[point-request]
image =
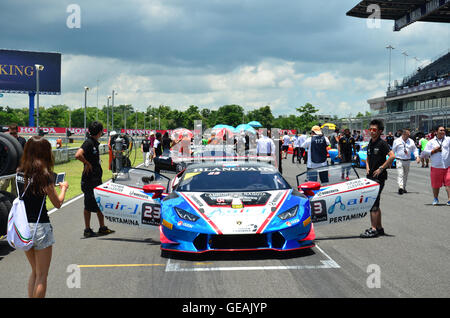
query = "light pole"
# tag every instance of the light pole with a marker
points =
(39, 68)
(85, 103)
(112, 109)
(107, 115)
(97, 100)
(390, 48)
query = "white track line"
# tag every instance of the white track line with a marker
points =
(325, 264)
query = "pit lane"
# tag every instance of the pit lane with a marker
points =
(413, 258)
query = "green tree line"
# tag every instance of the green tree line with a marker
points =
(162, 116)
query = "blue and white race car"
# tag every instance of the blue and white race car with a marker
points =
(230, 206)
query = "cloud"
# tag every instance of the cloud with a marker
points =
(213, 52)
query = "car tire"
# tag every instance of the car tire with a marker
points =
(8, 195)
(4, 212)
(16, 144)
(8, 156)
(180, 167)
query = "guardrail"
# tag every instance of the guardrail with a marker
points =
(66, 154)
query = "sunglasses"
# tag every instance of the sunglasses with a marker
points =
(373, 129)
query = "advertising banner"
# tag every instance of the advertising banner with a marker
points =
(18, 72)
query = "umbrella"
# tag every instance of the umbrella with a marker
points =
(245, 127)
(220, 126)
(255, 124)
(221, 131)
(330, 126)
(180, 132)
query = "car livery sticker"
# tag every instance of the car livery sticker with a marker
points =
(249, 219)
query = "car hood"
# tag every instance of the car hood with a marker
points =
(239, 213)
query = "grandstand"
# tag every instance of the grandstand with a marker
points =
(404, 12)
(436, 71)
(422, 100)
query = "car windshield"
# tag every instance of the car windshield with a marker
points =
(232, 177)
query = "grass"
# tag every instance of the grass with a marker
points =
(74, 170)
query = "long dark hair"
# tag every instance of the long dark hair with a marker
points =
(37, 164)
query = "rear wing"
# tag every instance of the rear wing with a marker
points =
(218, 153)
(329, 175)
(138, 178)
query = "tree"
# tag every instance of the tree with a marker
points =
(263, 115)
(307, 118)
(230, 115)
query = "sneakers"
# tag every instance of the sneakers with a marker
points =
(370, 233)
(105, 231)
(401, 191)
(101, 231)
(435, 201)
(89, 233)
(448, 203)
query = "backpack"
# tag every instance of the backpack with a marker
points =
(19, 234)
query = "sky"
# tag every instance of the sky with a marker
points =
(210, 53)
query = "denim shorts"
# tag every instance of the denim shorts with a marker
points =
(44, 235)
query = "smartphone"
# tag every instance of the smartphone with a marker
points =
(60, 178)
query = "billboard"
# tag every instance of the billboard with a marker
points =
(18, 73)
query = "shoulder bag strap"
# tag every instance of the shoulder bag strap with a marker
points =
(25, 190)
(39, 217)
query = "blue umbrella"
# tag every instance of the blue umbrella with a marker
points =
(220, 126)
(245, 127)
(255, 124)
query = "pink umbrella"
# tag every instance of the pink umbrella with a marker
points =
(179, 133)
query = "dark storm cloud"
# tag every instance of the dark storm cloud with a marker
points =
(216, 34)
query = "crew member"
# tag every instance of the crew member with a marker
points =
(316, 146)
(346, 149)
(403, 147)
(89, 155)
(376, 165)
(438, 149)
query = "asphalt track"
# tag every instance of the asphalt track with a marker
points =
(410, 261)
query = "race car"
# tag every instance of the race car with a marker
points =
(232, 206)
(361, 157)
(226, 206)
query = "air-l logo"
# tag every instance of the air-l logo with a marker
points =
(122, 207)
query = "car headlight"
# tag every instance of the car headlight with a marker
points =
(288, 213)
(186, 215)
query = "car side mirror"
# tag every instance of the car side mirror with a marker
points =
(308, 188)
(156, 189)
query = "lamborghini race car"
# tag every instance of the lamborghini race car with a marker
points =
(234, 205)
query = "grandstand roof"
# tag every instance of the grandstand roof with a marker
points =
(405, 12)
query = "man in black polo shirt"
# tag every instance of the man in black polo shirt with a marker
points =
(347, 148)
(376, 165)
(89, 155)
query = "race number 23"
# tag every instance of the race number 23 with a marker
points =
(151, 214)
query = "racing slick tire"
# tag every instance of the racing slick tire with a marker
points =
(5, 207)
(17, 146)
(8, 156)
(180, 167)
